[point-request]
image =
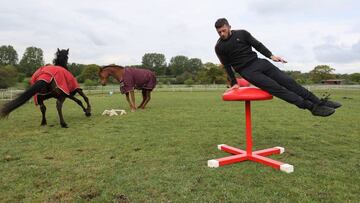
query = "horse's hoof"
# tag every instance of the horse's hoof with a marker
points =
(88, 114)
(64, 125)
(43, 124)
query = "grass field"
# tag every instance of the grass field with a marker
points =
(160, 154)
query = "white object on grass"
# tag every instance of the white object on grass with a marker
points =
(114, 112)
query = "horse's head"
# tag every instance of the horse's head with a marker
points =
(110, 70)
(103, 75)
(61, 58)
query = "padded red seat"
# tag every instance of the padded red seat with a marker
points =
(246, 94)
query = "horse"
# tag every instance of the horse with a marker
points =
(130, 79)
(51, 81)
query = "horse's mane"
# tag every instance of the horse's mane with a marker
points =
(113, 66)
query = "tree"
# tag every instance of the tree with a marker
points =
(178, 64)
(76, 68)
(180, 79)
(202, 77)
(8, 55)
(297, 76)
(211, 73)
(155, 62)
(3, 79)
(355, 77)
(209, 65)
(216, 75)
(90, 72)
(321, 72)
(189, 82)
(193, 65)
(31, 60)
(8, 76)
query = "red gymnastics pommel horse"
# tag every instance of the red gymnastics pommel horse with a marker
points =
(249, 94)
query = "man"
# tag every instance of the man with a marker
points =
(234, 50)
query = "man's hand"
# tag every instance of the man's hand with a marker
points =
(277, 59)
(236, 86)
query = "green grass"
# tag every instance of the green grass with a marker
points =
(160, 154)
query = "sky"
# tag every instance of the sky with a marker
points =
(306, 33)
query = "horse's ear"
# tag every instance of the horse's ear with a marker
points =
(67, 51)
(58, 50)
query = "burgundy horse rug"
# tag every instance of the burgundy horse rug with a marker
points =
(135, 78)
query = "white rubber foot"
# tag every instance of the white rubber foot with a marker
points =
(219, 146)
(213, 163)
(287, 168)
(282, 149)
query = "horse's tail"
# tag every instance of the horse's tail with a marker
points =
(21, 99)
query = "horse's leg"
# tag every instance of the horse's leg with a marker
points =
(129, 101)
(143, 92)
(77, 101)
(72, 97)
(59, 103)
(148, 97)
(43, 109)
(86, 99)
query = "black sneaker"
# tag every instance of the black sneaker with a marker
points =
(326, 102)
(329, 103)
(321, 110)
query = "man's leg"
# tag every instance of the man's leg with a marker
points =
(289, 83)
(254, 74)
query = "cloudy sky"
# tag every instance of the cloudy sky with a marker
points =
(306, 33)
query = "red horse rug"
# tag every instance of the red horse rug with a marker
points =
(63, 79)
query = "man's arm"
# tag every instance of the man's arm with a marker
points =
(231, 75)
(262, 49)
(257, 45)
(229, 71)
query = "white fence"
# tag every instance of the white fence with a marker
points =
(8, 94)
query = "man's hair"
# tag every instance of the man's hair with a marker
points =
(221, 22)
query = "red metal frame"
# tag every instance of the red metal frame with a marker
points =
(257, 156)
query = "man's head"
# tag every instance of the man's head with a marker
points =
(223, 28)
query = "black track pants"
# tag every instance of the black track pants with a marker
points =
(268, 77)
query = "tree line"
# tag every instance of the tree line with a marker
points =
(180, 69)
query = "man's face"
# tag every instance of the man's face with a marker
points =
(224, 31)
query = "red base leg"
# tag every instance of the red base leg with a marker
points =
(257, 156)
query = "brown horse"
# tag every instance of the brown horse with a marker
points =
(130, 79)
(51, 81)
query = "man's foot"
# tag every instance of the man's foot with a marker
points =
(325, 101)
(330, 104)
(321, 110)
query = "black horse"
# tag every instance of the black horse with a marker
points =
(48, 87)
